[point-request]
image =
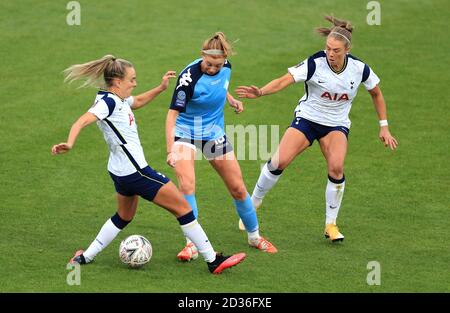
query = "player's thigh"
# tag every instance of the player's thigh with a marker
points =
(126, 206)
(292, 144)
(185, 167)
(171, 199)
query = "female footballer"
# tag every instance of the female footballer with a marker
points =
(331, 79)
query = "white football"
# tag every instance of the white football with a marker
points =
(135, 251)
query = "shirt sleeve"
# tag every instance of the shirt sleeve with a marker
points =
(130, 101)
(299, 71)
(370, 79)
(103, 108)
(183, 92)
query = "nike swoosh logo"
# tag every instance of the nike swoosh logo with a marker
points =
(320, 82)
(333, 207)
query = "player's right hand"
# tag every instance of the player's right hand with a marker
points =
(165, 79)
(251, 92)
(61, 148)
(172, 159)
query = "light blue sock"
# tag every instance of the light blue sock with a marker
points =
(193, 203)
(247, 213)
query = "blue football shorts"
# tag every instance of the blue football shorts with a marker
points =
(313, 131)
(145, 182)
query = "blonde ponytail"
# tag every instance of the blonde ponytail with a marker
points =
(341, 30)
(98, 73)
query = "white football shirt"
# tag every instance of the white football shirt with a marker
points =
(116, 121)
(329, 94)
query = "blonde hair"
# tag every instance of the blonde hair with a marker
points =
(342, 30)
(98, 73)
(218, 42)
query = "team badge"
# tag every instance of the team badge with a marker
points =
(181, 99)
(181, 95)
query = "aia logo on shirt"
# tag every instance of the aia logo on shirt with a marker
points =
(334, 96)
(131, 117)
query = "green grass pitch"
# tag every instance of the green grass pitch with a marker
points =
(396, 204)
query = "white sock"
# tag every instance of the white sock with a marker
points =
(256, 202)
(195, 233)
(254, 235)
(333, 197)
(107, 233)
(265, 182)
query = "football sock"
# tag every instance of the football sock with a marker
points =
(333, 198)
(253, 235)
(267, 179)
(247, 213)
(107, 233)
(193, 203)
(192, 230)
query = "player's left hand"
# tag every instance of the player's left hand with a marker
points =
(387, 139)
(165, 79)
(236, 104)
(62, 147)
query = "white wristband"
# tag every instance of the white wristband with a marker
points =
(383, 123)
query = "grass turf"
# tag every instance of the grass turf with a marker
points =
(395, 208)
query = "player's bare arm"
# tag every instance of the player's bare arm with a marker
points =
(170, 135)
(84, 120)
(144, 98)
(236, 104)
(274, 86)
(380, 106)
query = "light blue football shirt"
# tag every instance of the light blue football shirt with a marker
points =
(200, 99)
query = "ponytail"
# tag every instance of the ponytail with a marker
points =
(217, 45)
(98, 73)
(341, 30)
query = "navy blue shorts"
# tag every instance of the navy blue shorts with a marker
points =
(211, 149)
(145, 182)
(314, 131)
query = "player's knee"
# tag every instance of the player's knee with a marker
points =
(187, 187)
(238, 192)
(336, 171)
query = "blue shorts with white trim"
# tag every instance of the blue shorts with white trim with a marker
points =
(314, 131)
(145, 182)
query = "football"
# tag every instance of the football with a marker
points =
(135, 251)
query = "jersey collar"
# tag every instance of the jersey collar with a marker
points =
(102, 92)
(343, 68)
